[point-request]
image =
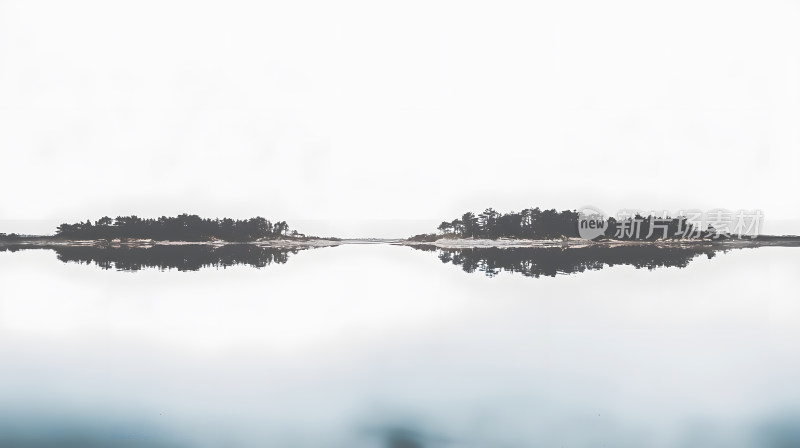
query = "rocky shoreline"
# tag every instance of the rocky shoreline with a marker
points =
(466, 243)
(443, 243)
(44, 242)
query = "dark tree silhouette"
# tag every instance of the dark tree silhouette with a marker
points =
(180, 228)
(534, 223)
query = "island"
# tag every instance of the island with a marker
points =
(185, 242)
(533, 242)
(534, 227)
(178, 230)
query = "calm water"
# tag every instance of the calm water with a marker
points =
(385, 346)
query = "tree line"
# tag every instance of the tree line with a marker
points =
(180, 228)
(529, 223)
(534, 223)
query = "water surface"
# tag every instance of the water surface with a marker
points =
(387, 346)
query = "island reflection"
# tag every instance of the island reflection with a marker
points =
(183, 257)
(551, 261)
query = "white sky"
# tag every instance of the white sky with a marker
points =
(334, 114)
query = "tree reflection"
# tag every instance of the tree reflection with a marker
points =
(184, 257)
(551, 261)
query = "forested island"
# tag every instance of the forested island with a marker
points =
(537, 224)
(533, 242)
(185, 242)
(537, 242)
(531, 226)
(183, 228)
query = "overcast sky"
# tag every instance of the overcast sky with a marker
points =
(331, 113)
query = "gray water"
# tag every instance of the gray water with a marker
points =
(385, 346)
